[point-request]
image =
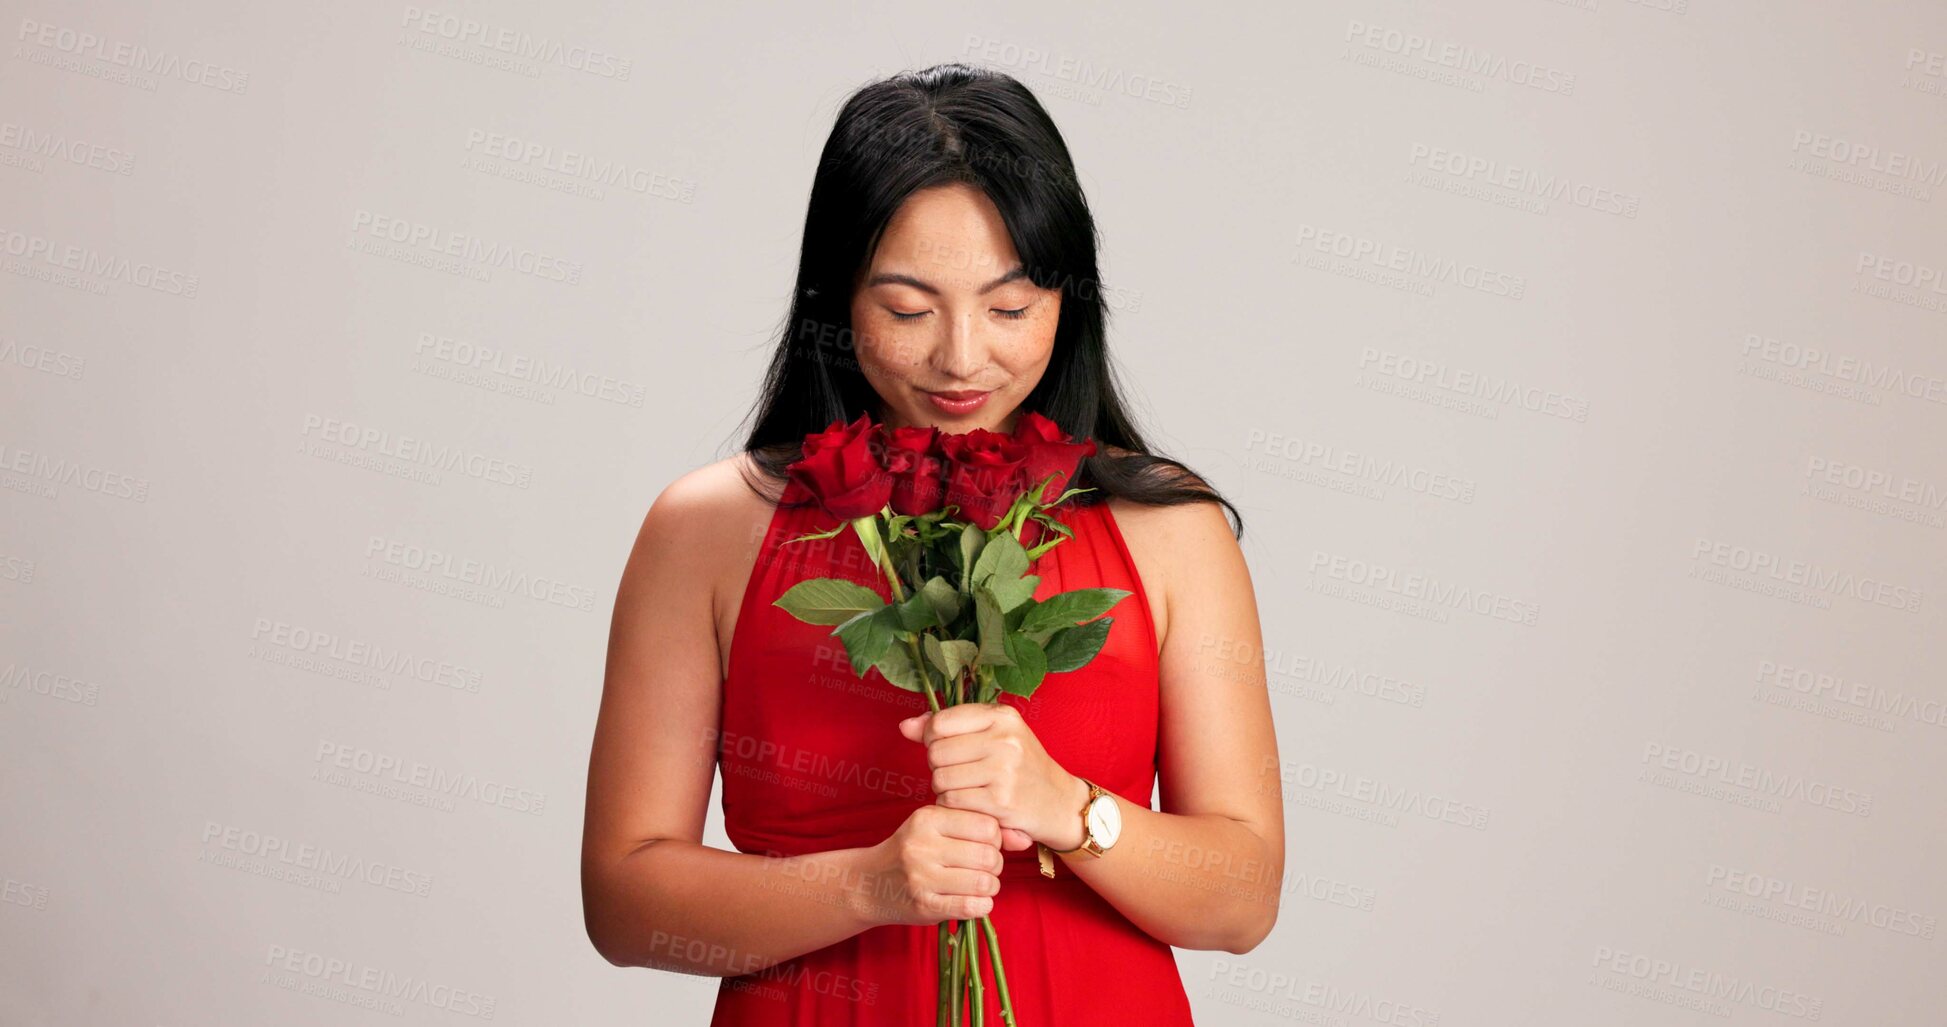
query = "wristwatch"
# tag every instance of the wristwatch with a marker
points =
(1101, 826)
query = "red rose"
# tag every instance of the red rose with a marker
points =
(918, 470)
(841, 468)
(1049, 451)
(983, 474)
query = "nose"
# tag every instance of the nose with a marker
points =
(962, 353)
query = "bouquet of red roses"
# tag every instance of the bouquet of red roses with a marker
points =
(942, 516)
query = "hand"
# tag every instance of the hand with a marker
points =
(946, 864)
(986, 759)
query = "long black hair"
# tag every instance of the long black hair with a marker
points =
(910, 131)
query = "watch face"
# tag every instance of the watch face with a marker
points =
(1105, 820)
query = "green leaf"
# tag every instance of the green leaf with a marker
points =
(1027, 667)
(1011, 594)
(972, 541)
(1001, 567)
(1002, 560)
(917, 613)
(827, 600)
(1019, 614)
(1067, 609)
(867, 529)
(898, 667)
(944, 597)
(867, 636)
(1072, 648)
(992, 625)
(952, 658)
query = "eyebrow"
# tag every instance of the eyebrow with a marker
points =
(895, 278)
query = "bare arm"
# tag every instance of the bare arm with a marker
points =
(1208, 873)
(652, 893)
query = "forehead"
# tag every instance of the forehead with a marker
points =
(951, 235)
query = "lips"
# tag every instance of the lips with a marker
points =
(959, 402)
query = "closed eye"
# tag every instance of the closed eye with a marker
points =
(1012, 315)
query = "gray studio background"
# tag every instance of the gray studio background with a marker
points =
(1579, 368)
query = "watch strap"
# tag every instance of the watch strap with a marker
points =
(1046, 856)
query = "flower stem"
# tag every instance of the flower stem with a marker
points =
(1000, 973)
(925, 676)
(973, 973)
(956, 982)
(946, 990)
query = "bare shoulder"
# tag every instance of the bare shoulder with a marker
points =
(1168, 542)
(711, 493)
(1179, 549)
(1197, 526)
(707, 526)
(708, 520)
(694, 521)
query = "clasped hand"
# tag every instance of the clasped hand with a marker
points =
(986, 759)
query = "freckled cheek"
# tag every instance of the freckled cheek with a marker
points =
(889, 357)
(1027, 350)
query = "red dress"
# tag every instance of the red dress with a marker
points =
(813, 760)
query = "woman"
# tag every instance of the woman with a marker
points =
(948, 278)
